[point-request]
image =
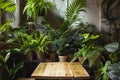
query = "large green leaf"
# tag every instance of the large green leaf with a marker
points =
(114, 71)
(16, 68)
(73, 10)
(2, 60)
(5, 25)
(11, 8)
(7, 56)
(35, 7)
(8, 6)
(112, 47)
(103, 71)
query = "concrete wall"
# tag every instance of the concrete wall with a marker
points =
(93, 13)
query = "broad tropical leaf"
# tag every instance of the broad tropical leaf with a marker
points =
(114, 71)
(112, 47)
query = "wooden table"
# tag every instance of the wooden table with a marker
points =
(60, 70)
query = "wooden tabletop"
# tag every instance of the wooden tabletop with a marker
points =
(60, 70)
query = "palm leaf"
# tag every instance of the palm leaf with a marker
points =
(72, 12)
(7, 56)
(74, 9)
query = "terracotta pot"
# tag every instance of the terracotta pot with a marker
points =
(53, 57)
(69, 57)
(62, 58)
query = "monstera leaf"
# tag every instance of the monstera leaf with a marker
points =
(114, 71)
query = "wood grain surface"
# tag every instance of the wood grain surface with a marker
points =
(56, 70)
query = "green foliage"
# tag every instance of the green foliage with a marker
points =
(112, 47)
(5, 26)
(62, 37)
(8, 5)
(88, 49)
(72, 12)
(113, 71)
(34, 41)
(103, 71)
(35, 7)
(108, 8)
(60, 45)
(11, 71)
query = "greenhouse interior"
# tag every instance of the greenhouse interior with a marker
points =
(59, 39)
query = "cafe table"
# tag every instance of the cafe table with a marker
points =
(60, 71)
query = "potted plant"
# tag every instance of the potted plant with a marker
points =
(60, 45)
(63, 34)
(103, 67)
(35, 7)
(34, 43)
(88, 49)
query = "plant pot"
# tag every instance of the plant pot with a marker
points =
(53, 57)
(69, 57)
(62, 58)
(28, 57)
(40, 56)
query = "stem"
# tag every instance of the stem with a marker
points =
(6, 67)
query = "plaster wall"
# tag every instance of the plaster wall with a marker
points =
(92, 14)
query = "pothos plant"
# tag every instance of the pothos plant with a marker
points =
(89, 48)
(65, 31)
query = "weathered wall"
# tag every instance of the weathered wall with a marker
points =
(92, 14)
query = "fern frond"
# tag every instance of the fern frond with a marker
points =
(74, 9)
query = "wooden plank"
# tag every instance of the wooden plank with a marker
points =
(56, 69)
(25, 79)
(60, 70)
(39, 70)
(79, 71)
(53, 70)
